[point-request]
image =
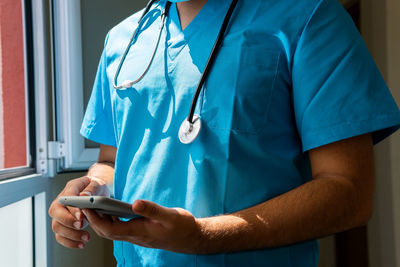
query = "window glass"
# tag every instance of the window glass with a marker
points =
(13, 116)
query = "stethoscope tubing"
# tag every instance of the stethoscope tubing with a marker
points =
(134, 36)
(211, 59)
(191, 126)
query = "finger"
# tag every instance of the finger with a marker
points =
(96, 187)
(152, 211)
(74, 187)
(63, 216)
(107, 228)
(104, 216)
(93, 218)
(69, 243)
(97, 219)
(101, 215)
(69, 233)
(100, 226)
(76, 213)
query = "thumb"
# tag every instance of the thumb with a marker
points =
(151, 210)
(96, 187)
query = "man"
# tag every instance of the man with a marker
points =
(290, 112)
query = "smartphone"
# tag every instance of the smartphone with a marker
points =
(104, 205)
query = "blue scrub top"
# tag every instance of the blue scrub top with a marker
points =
(290, 76)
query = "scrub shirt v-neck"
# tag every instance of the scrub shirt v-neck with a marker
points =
(177, 39)
(290, 76)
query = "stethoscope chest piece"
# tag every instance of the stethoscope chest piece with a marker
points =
(188, 132)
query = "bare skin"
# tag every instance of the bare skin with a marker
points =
(68, 223)
(188, 11)
(338, 197)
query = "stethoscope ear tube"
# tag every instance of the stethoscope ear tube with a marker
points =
(211, 59)
(128, 83)
(147, 8)
(191, 126)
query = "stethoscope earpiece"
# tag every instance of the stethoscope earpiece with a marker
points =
(128, 83)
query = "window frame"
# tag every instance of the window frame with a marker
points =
(33, 186)
(69, 86)
(26, 169)
(33, 181)
(11, 173)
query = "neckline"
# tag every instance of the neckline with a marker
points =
(193, 21)
(205, 16)
(177, 39)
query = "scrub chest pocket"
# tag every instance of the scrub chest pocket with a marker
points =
(238, 91)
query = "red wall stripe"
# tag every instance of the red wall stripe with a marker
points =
(13, 83)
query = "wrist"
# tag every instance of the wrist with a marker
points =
(103, 174)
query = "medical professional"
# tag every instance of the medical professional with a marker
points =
(277, 152)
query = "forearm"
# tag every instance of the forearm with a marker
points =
(317, 208)
(337, 198)
(103, 169)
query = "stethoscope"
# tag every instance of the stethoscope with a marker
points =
(190, 127)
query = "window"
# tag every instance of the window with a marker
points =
(23, 134)
(14, 144)
(80, 31)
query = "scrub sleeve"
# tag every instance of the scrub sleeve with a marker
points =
(338, 91)
(98, 123)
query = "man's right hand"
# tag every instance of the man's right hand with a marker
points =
(68, 222)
